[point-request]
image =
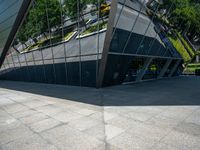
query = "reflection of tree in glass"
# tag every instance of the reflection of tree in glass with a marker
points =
(183, 14)
(176, 20)
(74, 8)
(36, 21)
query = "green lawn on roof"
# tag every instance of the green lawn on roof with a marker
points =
(44, 42)
(68, 35)
(94, 28)
(190, 68)
(190, 50)
(180, 48)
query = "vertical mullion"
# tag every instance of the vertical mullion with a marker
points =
(34, 64)
(79, 42)
(18, 59)
(3, 68)
(27, 71)
(152, 43)
(176, 42)
(150, 22)
(133, 26)
(118, 19)
(97, 61)
(43, 63)
(12, 60)
(8, 62)
(49, 28)
(44, 72)
(65, 55)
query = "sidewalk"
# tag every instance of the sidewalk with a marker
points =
(156, 115)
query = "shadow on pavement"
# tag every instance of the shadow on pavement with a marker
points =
(175, 91)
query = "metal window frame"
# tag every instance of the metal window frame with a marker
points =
(23, 11)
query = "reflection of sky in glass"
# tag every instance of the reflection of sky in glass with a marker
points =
(8, 14)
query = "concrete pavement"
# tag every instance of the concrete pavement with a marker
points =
(157, 115)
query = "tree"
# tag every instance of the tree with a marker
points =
(74, 8)
(173, 4)
(197, 23)
(183, 17)
(195, 31)
(183, 14)
(22, 35)
(54, 12)
(36, 22)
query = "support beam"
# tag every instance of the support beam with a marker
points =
(141, 74)
(197, 59)
(106, 47)
(164, 69)
(174, 68)
(23, 11)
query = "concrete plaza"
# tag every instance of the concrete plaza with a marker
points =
(158, 115)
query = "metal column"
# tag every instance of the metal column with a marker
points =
(141, 74)
(164, 69)
(174, 68)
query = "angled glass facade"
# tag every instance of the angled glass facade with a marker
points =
(7, 19)
(137, 36)
(91, 43)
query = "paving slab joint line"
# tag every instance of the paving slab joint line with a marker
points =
(103, 120)
(171, 130)
(33, 132)
(61, 124)
(22, 123)
(40, 112)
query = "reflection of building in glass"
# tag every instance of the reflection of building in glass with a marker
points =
(99, 43)
(153, 4)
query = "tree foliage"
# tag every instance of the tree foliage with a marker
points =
(37, 22)
(46, 14)
(73, 8)
(173, 4)
(184, 14)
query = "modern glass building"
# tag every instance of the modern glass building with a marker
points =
(94, 43)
